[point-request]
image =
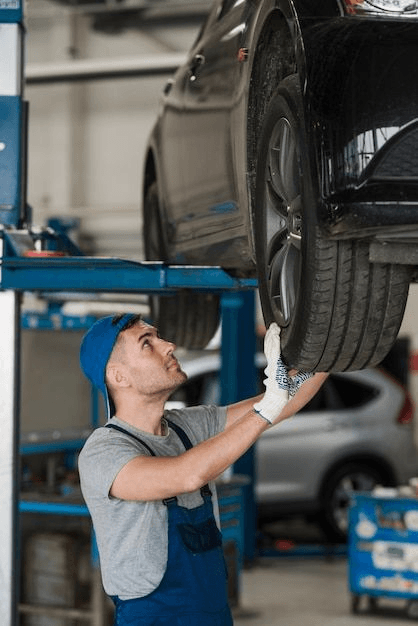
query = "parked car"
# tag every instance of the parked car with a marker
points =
(286, 147)
(354, 434)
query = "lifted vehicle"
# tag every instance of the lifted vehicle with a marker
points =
(286, 147)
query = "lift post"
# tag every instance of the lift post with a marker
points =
(9, 455)
(13, 115)
(12, 211)
(238, 381)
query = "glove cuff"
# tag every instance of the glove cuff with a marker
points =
(270, 407)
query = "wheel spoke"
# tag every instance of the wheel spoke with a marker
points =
(283, 221)
(284, 279)
(283, 164)
(276, 215)
(295, 222)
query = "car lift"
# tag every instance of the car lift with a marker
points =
(46, 274)
(46, 262)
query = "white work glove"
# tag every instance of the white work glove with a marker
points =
(280, 387)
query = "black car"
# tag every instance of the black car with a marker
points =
(287, 148)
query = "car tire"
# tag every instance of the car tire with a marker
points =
(188, 319)
(337, 311)
(335, 496)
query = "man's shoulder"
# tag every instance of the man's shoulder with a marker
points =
(102, 439)
(96, 437)
(105, 452)
(199, 422)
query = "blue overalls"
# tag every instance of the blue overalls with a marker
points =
(193, 590)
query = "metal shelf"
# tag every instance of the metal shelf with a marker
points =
(87, 274)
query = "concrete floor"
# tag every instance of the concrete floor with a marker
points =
(306, 592)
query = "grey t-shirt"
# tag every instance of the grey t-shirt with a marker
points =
(132, 535)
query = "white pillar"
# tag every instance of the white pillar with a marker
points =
(9, 433)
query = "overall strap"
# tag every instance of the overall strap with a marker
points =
(122, 430)
(166, 501)
(180, 432)
(205, 490)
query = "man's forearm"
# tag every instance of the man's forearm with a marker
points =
(302, 397)
(210, 458)
(152, 478)
(207, 460)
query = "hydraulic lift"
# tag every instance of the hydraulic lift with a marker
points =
(47, 261)
(23, 268)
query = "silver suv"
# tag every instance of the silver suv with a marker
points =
(357, 432)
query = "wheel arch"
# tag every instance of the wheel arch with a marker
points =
(150, 171)
(371, 459)
(151, 177)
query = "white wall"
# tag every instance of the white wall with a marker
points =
(86, 148)
(87, 140)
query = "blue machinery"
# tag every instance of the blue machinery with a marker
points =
(23, 269)
(85, 274)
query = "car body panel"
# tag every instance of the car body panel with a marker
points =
(360, 84)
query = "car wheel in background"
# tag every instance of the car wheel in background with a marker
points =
(188, 319)
(336, 493)
(337, 311)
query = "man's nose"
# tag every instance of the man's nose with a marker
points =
(169, 346)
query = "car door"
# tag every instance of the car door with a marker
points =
(213, 83)
(171, 126)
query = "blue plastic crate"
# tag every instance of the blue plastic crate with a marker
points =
(383, 549)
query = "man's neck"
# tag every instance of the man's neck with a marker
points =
(146, 416)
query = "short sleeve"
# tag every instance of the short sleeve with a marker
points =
(101, 459)
(200, 422)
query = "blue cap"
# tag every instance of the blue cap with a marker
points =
(96, 348)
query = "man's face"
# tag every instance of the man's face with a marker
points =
(148, 360)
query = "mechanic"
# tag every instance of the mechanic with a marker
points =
(147, 475)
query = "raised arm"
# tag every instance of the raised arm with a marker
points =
(154, 478)
(295, 403)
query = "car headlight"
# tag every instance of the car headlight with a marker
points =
(381, 7)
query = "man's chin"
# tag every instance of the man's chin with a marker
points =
(183, 376)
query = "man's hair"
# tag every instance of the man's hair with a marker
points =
(118, 346)
(131, 322)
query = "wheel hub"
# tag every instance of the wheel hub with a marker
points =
(283, 219)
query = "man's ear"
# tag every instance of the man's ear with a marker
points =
(116, 376)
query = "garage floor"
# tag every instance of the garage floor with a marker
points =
(306, 591)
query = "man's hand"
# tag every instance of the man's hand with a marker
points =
(280, 385)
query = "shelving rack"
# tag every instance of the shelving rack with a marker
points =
(48, 262)
(44, 274)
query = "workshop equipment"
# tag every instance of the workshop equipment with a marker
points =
(383, 550)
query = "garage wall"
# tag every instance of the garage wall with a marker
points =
(86, 149)
(55, 394)
(87, 140)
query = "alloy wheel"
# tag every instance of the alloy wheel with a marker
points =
(283, 220)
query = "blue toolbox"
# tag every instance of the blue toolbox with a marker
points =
(383, 551)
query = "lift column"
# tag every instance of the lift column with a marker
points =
(238, 382)
(12, 212)
(12, 115)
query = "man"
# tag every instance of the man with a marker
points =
(147, 476)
